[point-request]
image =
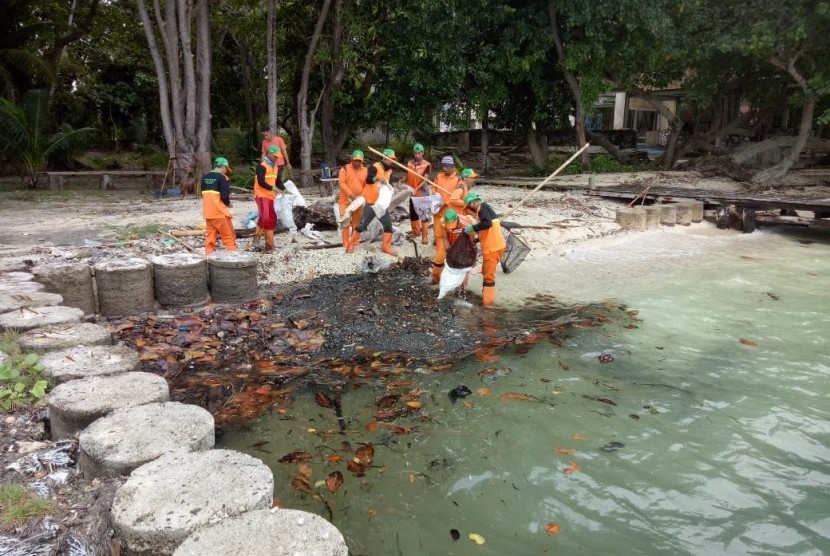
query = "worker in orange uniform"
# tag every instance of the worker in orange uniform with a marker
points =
(352, 178)
(270, 139)
(216, 202)
(421, 168)
(378, 175)
(448, 181)
(468, 179)
(453, 228)
(266, 185)
(492, 243)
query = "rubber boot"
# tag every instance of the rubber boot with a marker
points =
(355, 242)
(464, 282)
(416, 229)
(344, 234)
(269, 240)
(387, 245)
(424, 233)
(436, 273)
(488, 295)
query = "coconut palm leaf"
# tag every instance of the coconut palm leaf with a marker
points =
(14, 131)
(68, 142)
(24, 62)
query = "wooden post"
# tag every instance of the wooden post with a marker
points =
(748, 220)
(54, 182)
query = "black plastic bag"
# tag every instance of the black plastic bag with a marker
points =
(462, 253)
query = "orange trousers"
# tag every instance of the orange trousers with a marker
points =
(222, 227)
(488, 267)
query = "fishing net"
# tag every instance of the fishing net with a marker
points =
(514, 253)
(462, 253)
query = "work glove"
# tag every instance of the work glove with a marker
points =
(469, 229)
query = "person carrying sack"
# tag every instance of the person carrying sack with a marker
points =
(378, 193)
(266, 184)
(492, 243)
(216, 203)
(351, 179)
(448, 181)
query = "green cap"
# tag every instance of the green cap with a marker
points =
(357, 154)
(221, 161)
(418, 148)
(470, 198)
(273, 149)
(450, 216)
(468, 173)
(389, 153)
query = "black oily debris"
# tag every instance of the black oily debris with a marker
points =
(459, 391)
(613, 446)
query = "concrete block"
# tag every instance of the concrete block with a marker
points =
(668, 215)
(696, 209)
(163, 502)
(266, 533)
(64, 336)
(233, 276)
(631, 218)
(14, 301)
(87, 361)
(71, 280)
(684, 213)
(74, 405)
(130, 437)
(653, 214)
(181, 279)
(18, 276)
(38, 317)
(125, 286)
(12, 287)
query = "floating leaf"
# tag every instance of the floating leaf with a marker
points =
(372, 513)
(355, 468)
(606, 400)
(455, 534)
(373, 426)
(476, 538)
(263, 390)
(323, 400)
(578, 436)
(333, 458)
(333, 481)
(485, 392)
(387, 401)
(572, 468)
(633, 313)
(364, 454)
(749, 343)
(552, 528)
(295, 457)
(487, 354)
(412, 478)
(563, 366)
(300, 482)
(518, 396)
(565, 451)
(304, 469)
(414, 404)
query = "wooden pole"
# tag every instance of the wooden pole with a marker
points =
(411, 171)
(546, 180)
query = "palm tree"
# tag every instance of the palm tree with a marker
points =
(25, 142)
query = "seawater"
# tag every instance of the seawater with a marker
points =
(721, 415)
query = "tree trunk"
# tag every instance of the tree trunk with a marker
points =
(780, 170)
(305, 116)
(161, 76)
(538, 145)
(204, 67)
(485, 139)
(338, 70)
(602, 141)
(271, 66)
(573, 85)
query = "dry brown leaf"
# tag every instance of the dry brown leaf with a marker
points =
(565, 451)
(304, 469)
(485, 392)
(572, 468)
(333, 481)
(552, 528)
(749, 343)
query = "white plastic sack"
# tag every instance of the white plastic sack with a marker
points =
(451, 278)
(425, 207)
(385, 192)
(353, 206)
(299, 200)
(284, 207)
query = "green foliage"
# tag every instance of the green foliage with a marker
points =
(139, 232)
(20, 381)
(18, 504)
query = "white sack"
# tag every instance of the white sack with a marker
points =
(451, 278)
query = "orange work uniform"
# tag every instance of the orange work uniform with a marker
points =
(351, 183)
(493, 246)
(216, 200)
(449, 183)
(422, 168)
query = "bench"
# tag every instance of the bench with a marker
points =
(55, 180)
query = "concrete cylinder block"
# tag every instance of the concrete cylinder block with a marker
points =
(668, 215)
(65, 336)
(653, 213)
(130, 437)
(71, 280)
(684, 213)
(233, 276)
(631, 218)
(14, 301)
(74, 405)
(87, 361)
(125, 286)
(36, 317)
(696, 209)
(181, 279)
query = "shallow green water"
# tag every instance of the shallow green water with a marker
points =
(726, 444)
